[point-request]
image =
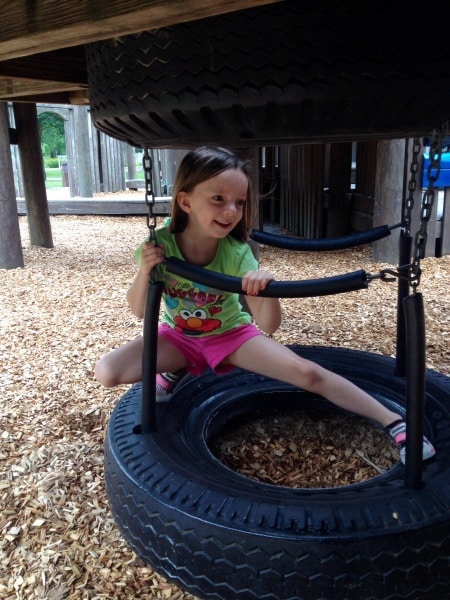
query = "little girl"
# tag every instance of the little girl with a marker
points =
(212, 215)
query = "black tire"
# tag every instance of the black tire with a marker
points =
(282, 73)
(220, 535)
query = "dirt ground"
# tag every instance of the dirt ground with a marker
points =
(65, 309)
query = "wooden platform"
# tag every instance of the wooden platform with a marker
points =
(91, 206)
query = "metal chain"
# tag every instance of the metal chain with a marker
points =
(147, 165)
(412, 186)
(433, 171)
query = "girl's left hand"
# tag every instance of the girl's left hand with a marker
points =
(255, 281)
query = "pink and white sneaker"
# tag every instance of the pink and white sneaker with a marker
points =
(397, 431)
(165, 384)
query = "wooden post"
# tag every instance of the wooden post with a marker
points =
(339, 183)
(131, 162)
(11, 255)
(113, 165)
(29, 143)
(269, 183)
(71, 151)
(445, 224)
(170, 159)
(302, 175)
(83, 149)
(389, 192)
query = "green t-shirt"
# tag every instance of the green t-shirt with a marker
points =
(197, 310)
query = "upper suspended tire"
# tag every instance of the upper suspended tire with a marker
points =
(220, 535)
(287, 72)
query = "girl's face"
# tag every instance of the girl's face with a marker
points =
(216, 206)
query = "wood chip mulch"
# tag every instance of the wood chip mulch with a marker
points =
(65, 309)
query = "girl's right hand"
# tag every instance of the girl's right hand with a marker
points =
(151, 256)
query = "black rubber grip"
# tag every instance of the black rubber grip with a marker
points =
(349, 282)
(340, 243)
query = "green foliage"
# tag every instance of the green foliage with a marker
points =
(51, 163)
(51, 130)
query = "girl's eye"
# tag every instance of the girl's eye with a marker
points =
(241, 202)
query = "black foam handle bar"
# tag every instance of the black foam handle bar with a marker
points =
(415, 388)
(340, 243)
(338, 284)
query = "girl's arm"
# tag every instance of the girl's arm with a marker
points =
(266, 311)
(151, 256)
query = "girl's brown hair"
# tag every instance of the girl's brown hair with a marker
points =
(204, 163)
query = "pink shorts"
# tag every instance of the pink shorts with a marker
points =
(210, 350)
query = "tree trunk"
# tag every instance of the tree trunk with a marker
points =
(11, 255)
(35, 193)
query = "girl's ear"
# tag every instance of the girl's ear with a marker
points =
(183, 201)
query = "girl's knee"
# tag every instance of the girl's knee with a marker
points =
(104, 374)
(313, 376)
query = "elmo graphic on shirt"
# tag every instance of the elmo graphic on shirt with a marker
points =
(193, 307)
(197, 321)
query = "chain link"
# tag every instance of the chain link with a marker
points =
(147, 165)
(412, 186)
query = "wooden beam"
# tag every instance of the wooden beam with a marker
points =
(21, 88)
(59, 65)
(43, 25)
(101, 207)
(71, 97)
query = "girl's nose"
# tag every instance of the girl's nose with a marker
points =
(230, 208)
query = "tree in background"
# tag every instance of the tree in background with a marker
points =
(51, 130)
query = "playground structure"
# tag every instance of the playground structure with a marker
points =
(312, 191)
(204, 527)
(96, 162)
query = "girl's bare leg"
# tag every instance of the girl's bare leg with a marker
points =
(265, 356)
(124, 364)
